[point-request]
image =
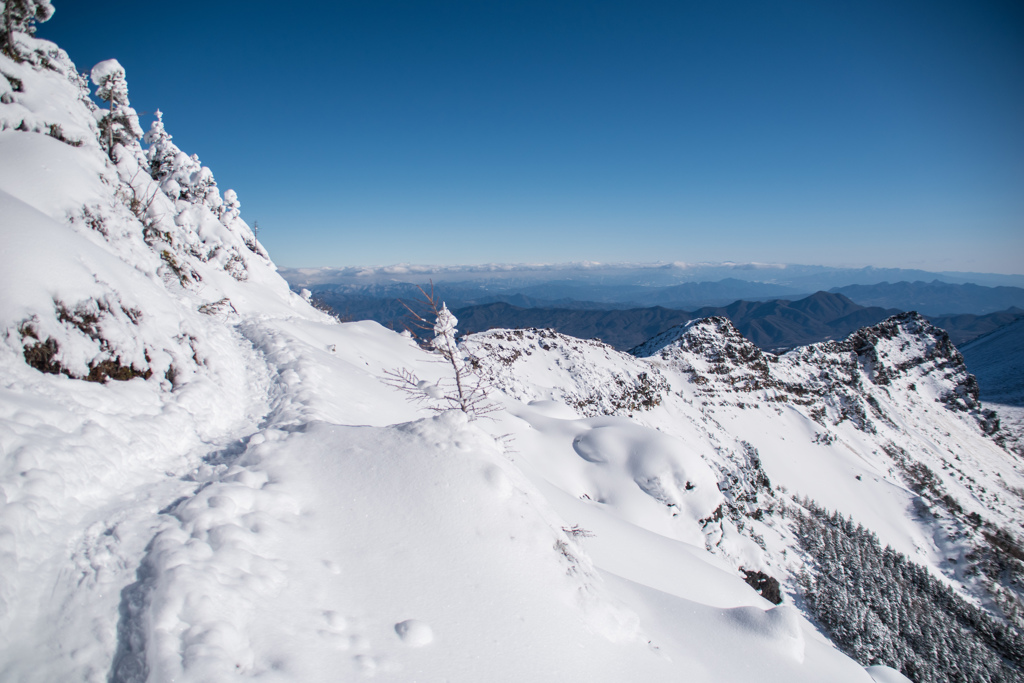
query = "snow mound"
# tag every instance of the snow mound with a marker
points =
(414, 633)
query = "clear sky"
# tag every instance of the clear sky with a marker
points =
(887, 133)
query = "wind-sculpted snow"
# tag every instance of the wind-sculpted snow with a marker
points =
(651, 479)
(327, 529)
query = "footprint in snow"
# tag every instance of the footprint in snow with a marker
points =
(335, 639)
(366, 664)
(335, 624)
(336, 621)
(414, 633)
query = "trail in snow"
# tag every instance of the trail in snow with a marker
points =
(86, 494)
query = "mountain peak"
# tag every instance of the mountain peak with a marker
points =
(901, 342)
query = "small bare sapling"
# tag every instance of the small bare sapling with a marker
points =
(466, 388)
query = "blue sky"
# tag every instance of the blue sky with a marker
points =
(374, 132)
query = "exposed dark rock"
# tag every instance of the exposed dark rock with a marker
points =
(112, 369)
(766, 585)
(41, 356)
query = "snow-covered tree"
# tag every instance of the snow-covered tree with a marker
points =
(881, 608)
(232, 208)
(161, 152)
(467, 388)
(120, 125)
(181, 176)
(21, 16)
(445, 343)
(196, 181)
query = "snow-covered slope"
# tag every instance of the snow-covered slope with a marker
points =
(204, 478)
(884, 427)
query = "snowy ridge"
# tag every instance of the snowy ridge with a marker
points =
(712, 348)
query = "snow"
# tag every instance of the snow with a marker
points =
(651, 479)
(258, 502)
(106, 69)
(49, 175)
(883, 674)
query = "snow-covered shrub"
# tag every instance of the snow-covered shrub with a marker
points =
(91, 346)
(236, 267)
(185, 275)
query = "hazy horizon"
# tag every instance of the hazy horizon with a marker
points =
(583, 265)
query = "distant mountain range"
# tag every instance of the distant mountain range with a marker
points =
(935, 297)
(366, 298)
(772, 316)
(771, 325)
(380, 300)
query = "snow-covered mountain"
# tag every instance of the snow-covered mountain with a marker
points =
(884, 428)
(205, 478)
